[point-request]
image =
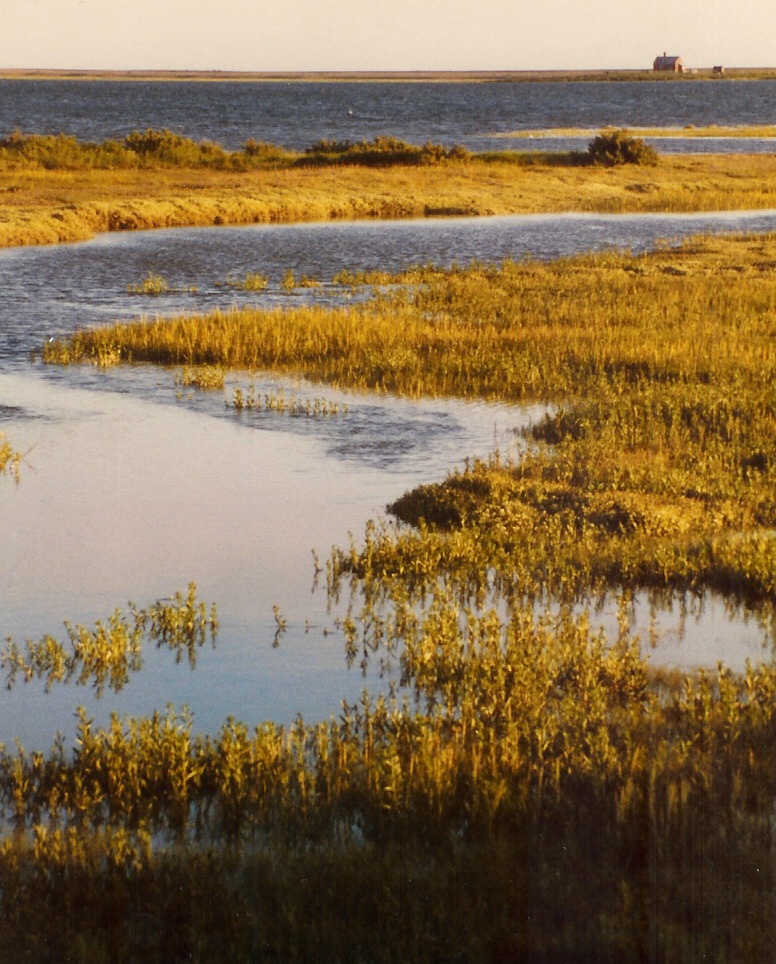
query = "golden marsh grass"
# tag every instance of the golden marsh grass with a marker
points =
(40, 206)
(10, 459)
(109, 653)
(530, 789)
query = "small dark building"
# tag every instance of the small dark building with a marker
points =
(670, 65)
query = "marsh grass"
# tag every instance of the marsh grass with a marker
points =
(151, 149)
(40, 205)
(273, 401)
(140, 149)
(381, 152)
(533, 771)
(529, 788)
(10, 459)
(108, 654)
(205, 377)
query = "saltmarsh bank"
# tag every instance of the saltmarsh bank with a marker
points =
(56, 190)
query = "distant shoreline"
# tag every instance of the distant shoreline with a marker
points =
(379, 76)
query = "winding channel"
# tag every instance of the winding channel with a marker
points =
(131, 489)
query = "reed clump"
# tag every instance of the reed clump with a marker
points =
(381, 152)
(108, 654)
(615, 147)
(275, 401)
(204, 377)
(152, 284)
(251, 281)
(10, 459)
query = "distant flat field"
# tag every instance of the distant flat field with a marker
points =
(46, 207)
(471, 76)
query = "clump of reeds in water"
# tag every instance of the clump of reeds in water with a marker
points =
(10, 459)
(205, 377)
(251, 281)
(109, 653)
(152, 284)
(155, 285)
(283, 402)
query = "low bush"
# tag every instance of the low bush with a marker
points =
(612, 148)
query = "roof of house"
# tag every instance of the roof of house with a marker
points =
(666, 63)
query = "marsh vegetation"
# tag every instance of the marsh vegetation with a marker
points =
(9, 457)
(527, 787)
(107, 655)
(157, 179)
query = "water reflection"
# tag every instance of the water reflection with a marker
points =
(125, 498)
(131, 488)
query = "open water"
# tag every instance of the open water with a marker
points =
(131, 487)
(296, 115)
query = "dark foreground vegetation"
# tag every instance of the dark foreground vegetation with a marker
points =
(531, 789)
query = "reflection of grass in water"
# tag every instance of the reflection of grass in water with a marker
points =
(106, 655)
(534, 791)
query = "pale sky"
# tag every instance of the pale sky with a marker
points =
(383, 34)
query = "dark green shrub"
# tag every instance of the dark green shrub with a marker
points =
(611, 148)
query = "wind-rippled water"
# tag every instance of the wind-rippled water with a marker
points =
(47, 291)
(132, 487)
(296, 114)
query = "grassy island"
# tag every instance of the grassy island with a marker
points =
(55, 189)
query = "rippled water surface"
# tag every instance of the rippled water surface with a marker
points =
(297, 114)
(131, 487)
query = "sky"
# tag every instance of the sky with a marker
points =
(277, 35)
